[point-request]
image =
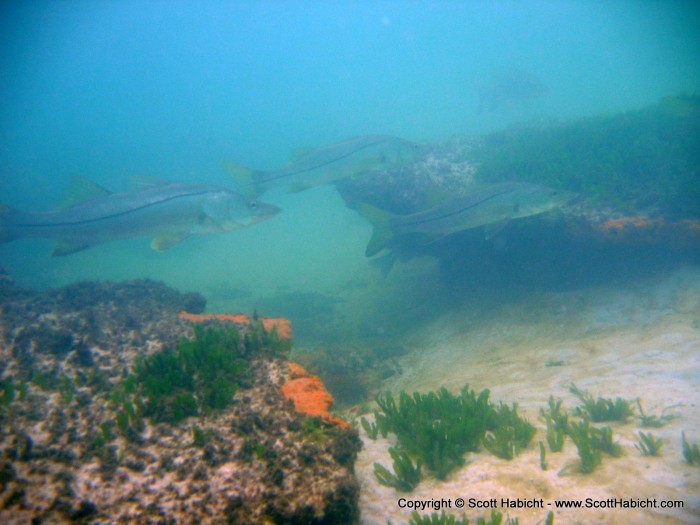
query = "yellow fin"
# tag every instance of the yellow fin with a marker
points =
(168, 240)
(243, 177)
(81, 190)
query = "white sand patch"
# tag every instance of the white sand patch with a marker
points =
(641, 341)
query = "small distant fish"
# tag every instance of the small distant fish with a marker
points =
(326, 165)
(508, 89)
(170, 212)
(492, 207)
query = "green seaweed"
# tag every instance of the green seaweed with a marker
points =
(200, 437)
(691, 452)
(543, 456)
(406, 475)
(313, 430)
(372, 429)
(7, 386)
(648, 444)
(437, 428)
(508, 423)
(651, 420)
(496, 518)
(201, 375)
(557, 422)
(437, 519)
(66, 387)
(589, 455)
(602, 439)
(647, 156)
(602, 409)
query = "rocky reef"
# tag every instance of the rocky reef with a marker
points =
(114, 408)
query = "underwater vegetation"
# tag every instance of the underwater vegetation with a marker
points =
(557, 422)
(200, 375)
(437, 428)
(601, 409)
(691, 452)
(652, 420)
(581, 435)
(648, 444)
(496, 518)
(407, 476)
(121, 414)
(646, 158)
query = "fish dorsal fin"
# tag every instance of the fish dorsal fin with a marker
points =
(81, 190)
(299, 153)
(145, 182)
(168, 240)
(243, 177)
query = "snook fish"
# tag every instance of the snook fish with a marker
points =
(491, 207)
(168, 212)
(326, 165)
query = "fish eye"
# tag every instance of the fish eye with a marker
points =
(253, 204)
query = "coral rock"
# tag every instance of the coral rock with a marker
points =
(283, 326)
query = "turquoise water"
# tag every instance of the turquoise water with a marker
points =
(109, 90)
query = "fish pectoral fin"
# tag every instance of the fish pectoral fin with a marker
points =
(493, 229)
(168, 240)
(81, 190)
(66, 248)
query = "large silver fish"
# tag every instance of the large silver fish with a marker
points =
(168, 212)
(327, 164)
(491, 206)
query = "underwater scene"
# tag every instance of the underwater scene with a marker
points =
(393, 262)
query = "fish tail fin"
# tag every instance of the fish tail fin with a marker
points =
(247, 180)
(381, 221)
(6, 234)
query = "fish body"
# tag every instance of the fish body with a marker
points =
(169, 213)
(327, 165)
(492, 207)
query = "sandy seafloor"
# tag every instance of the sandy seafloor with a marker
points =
(633, 340)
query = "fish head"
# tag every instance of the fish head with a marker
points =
(533, 199)
(229, 210)
(257, 211)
